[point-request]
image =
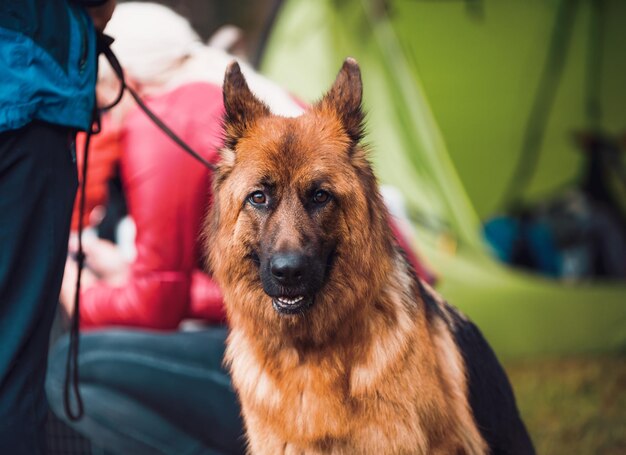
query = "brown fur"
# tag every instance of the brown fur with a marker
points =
(367, 368)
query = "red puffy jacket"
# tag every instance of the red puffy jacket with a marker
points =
(167, 193)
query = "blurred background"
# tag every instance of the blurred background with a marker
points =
(498, 127)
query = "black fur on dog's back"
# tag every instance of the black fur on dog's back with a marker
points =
(490, 394)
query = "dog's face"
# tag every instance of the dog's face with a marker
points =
(289, 211)
(293, 200)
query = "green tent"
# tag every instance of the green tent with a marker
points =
(449, 86)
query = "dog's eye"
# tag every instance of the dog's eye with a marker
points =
(257, 198)
(321, 197)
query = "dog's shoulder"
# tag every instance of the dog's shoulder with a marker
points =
(490, 394)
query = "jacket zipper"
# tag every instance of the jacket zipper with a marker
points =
(84, 45)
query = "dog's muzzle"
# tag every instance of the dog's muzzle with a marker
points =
(291, 279)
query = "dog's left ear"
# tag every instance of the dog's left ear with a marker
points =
(242, 107)
(345, 97)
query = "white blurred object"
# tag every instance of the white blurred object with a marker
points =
(125, 238)
(394, 200)
(227, 38)
(160, 51)
(150, 40)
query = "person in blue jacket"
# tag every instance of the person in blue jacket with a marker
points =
(47, 82)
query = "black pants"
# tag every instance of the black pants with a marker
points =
(38, 183)
(152, 392)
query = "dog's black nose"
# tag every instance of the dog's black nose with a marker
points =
(288, 268)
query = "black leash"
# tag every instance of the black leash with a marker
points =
(70, 385)
(105, 49)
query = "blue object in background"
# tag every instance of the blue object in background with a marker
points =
(525, 243)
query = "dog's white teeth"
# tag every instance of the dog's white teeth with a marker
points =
(288, 301)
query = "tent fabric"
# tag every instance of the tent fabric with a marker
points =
(447, 88)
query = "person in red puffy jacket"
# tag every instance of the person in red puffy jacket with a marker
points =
(167, 194)
(147, 386)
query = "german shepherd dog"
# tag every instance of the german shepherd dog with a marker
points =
(335, 346)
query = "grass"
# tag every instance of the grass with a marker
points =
(573, 405)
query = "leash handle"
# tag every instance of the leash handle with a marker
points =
(70, 385)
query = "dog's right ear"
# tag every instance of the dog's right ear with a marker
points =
(242, 107)
(345, 97)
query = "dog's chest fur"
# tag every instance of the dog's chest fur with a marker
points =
(388, 398)
(305, 399)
